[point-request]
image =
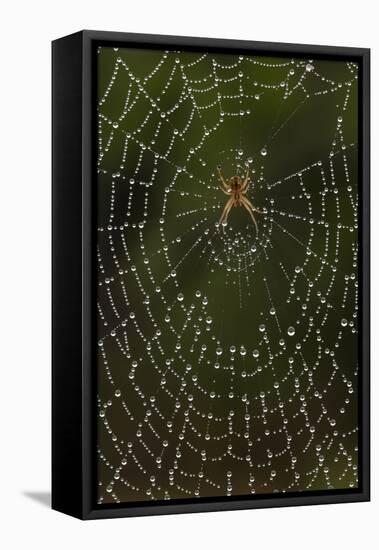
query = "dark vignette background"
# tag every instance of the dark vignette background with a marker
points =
(297, 405)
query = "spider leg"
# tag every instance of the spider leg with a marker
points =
(245, 183)
(245, 190)
(253, 207)
(226, 192)
(246, 201)
(247, 204)
(225, 212)
(226, 187)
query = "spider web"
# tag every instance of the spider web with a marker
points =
(227, 358)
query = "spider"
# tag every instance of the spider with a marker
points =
(236, 189)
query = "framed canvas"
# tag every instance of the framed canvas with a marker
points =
(210, 274)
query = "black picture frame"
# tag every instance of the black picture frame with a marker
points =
(73, 325)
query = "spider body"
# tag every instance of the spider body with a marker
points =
(236, 188)
(235, 185)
